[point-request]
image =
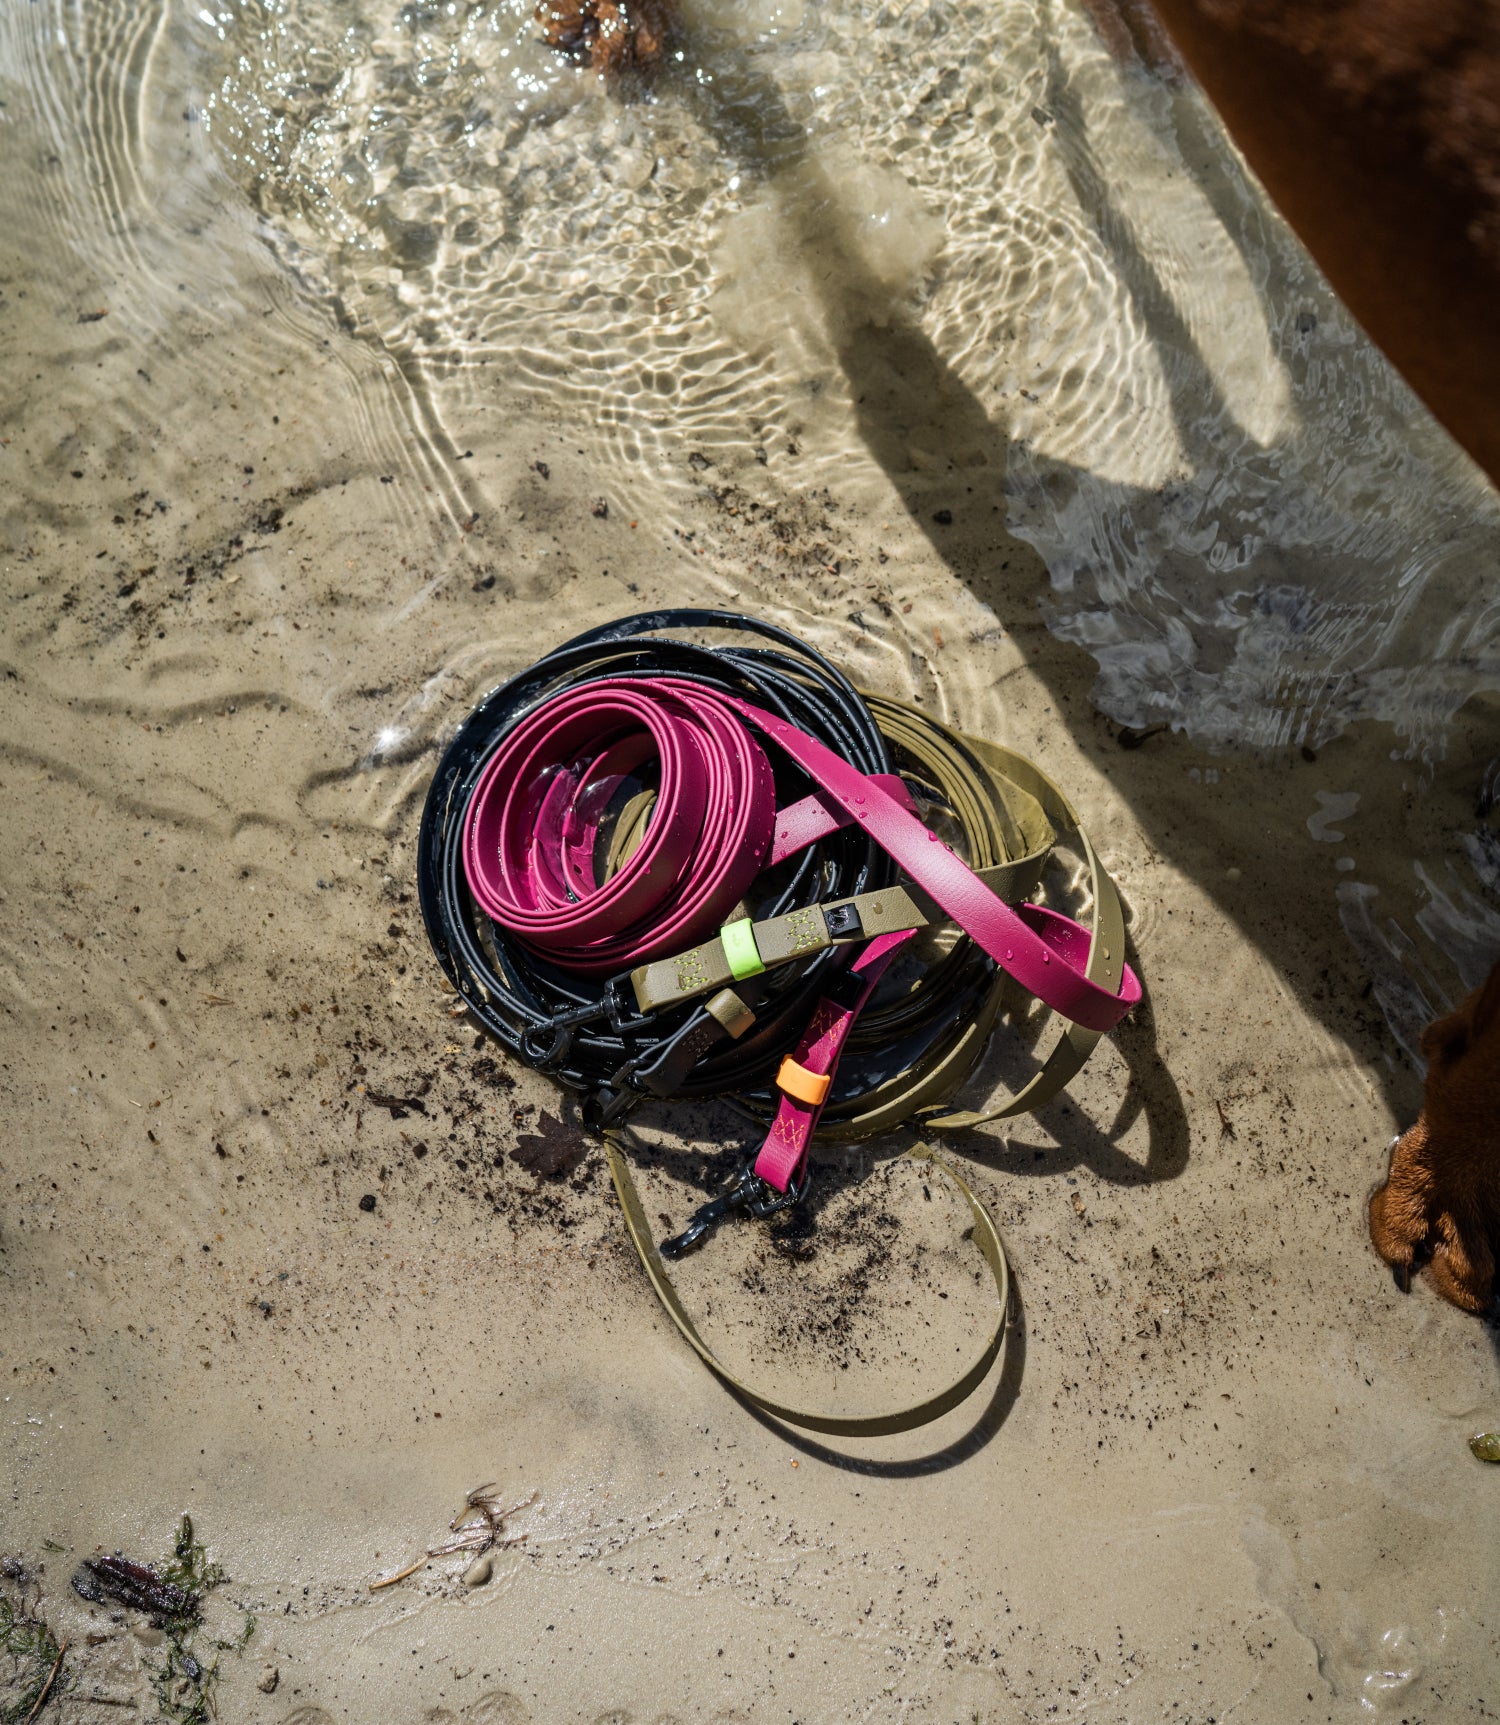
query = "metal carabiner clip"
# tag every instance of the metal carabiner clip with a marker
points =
(749, 1192)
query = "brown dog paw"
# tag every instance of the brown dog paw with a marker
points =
(611, 36)
(1441, 1199)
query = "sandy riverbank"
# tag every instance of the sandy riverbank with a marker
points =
(256, 566)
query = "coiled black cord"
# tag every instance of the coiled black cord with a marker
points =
(586, 1033)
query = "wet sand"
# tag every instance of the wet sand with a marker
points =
(258, 558)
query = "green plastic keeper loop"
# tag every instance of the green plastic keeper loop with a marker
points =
(738, 939)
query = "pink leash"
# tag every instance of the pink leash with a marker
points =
(533, 822)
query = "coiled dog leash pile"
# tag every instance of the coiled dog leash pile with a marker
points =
(732, 836)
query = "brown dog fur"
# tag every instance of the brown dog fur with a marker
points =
(1375, 126)
(611, 36)
(1442, 1196)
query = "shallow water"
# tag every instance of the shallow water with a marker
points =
(355, 355)
(1037, 287)
(1244, 516)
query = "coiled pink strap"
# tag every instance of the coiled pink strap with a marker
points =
(532, 822)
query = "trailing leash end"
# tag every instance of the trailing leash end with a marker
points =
(748, 1192)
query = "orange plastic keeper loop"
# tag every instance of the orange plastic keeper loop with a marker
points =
(802, 1085)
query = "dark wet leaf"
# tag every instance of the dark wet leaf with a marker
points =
(552, 1151)
(134, 1585)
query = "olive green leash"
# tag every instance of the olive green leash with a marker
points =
(986, 1237)
(1012, 816)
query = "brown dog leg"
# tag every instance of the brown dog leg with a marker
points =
(1398, 1211)
(1463, 1265)
(1375, 125)
(1442, 1195)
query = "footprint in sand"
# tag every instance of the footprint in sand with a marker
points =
(497, 1707)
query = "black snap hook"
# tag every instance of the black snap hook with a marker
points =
(748, 1192)
(548, 1056)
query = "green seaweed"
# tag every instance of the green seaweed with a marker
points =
(1486, 1445)
(33, 1651)
(189, 1567)
(184, 1682)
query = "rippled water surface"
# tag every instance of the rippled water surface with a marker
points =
(1244, 517)
(1035, 286)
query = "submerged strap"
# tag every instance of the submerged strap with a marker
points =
(986, 1237)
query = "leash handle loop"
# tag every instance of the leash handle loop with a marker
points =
(986, 1237)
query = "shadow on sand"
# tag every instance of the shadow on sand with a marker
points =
(1277, 894)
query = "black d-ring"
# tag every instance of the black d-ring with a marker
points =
(547, 1058)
